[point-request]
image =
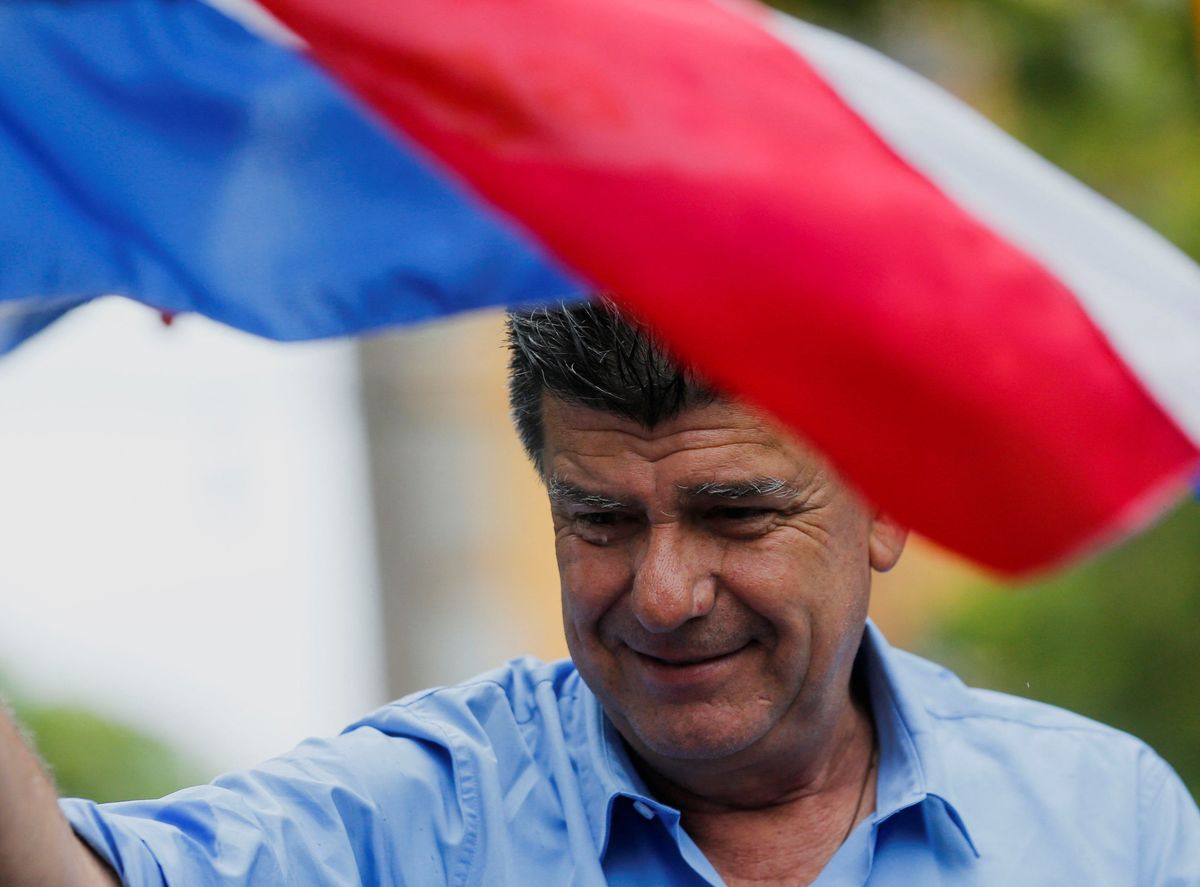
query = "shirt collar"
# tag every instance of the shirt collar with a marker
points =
(911, 766)
(608, 775)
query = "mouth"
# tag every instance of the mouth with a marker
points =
(677, 661)
(673, 674)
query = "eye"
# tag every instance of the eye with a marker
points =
(740, 513)
(604, 527)
(740, 521)
(600, 518)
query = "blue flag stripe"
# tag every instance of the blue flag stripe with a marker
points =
(158, 149)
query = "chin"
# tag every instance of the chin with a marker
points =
(695, 736)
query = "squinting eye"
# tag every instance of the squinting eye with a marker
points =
(605, 527)
(600, 518)
(736, 513)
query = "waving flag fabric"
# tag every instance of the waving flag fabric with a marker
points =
(993, 353)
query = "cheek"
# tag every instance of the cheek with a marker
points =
(593, 580)
(815, 595)
(809, 593)
(773, 580)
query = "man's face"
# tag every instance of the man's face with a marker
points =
(715, 574)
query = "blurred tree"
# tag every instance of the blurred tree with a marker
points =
(93, 757)
(1108, 91)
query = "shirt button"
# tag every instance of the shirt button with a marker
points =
(641, 808)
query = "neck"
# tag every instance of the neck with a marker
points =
(778, 817)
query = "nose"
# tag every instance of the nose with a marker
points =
(673, 581)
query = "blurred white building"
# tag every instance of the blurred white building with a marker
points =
(185, 528)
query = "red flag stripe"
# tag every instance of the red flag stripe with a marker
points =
(1142, 292)
(681, 157)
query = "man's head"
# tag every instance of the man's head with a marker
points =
(715, 570)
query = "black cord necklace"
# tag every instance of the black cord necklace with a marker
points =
(862, 793)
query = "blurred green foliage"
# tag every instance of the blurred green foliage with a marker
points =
(1108, 91)
(91, 756)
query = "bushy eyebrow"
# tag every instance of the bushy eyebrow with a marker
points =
(742, 489)
(564, 493)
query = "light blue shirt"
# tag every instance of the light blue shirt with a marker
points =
(517, 778)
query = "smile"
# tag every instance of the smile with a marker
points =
(688, 674)
(683, 662)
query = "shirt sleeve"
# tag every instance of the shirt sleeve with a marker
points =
(1169, 828)
(362, 808)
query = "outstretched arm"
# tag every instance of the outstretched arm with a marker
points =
(37, 846)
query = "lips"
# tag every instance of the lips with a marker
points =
(676, 660)
(686, 675)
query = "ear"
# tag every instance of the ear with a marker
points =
(886, 542)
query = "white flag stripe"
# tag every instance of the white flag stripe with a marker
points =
(1141, 291)
(259, 21)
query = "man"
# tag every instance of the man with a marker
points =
(727, 716)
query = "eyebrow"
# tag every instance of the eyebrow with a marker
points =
(742, 489)
(564, 493)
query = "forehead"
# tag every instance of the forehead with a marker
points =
(720, 441)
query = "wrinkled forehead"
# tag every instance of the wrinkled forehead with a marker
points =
(720, 444)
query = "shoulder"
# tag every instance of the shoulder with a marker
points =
(516, 693)
(1024, 774)
(946, 699)
(1007, 753)
(982, 724)
(482, 770)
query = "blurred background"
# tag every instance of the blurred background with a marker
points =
(215, 546)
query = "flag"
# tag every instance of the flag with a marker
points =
(993, 353)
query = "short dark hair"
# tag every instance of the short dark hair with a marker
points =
(587, 353)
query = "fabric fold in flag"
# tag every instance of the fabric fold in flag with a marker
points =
(993, 353)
